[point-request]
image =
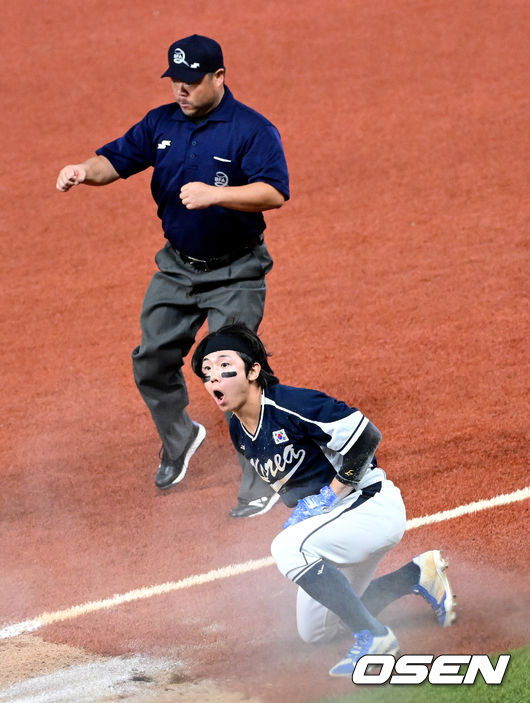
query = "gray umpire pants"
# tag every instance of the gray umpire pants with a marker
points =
(177, 302)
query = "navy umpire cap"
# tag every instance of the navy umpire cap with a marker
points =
(192, 58)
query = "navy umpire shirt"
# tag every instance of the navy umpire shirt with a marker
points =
(232, 146)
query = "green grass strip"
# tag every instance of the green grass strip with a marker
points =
(515, 688)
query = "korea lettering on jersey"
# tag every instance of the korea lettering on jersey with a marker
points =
(300, 439)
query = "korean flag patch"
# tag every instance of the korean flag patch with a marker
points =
(280, 436)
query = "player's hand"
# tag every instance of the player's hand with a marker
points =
(71, 175)
(310, 506)
(198, 196)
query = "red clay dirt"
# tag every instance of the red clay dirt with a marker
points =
(399, 286)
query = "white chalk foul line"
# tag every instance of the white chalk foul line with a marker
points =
(233, 570)
(521, 494)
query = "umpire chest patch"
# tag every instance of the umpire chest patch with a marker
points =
(221, 179)
(280, 436)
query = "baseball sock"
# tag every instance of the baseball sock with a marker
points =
(390, 587)
(329, 586)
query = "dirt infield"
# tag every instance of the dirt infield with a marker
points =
(399, 286)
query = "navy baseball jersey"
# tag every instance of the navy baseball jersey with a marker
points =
(300, 440)
(231, 146)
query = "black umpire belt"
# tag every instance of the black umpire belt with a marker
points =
(217, 262)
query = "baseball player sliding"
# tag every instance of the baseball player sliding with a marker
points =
(318, 454)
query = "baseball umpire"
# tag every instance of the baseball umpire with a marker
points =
(217, 165)
(318, 453)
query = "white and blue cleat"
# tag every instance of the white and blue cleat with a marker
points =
(365, 643)
(434, 586)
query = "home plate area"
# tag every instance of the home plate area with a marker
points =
(55, 673)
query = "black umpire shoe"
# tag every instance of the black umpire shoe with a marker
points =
(172, 471)
(254, 507)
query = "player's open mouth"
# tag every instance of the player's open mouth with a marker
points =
(219, 395)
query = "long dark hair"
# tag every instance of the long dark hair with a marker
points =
(244, 338)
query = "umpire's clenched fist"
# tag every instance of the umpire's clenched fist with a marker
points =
(71, 175)
(197, 195)
(95, 171)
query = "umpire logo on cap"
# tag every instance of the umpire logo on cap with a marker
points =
(192, 58)
(179, 56)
